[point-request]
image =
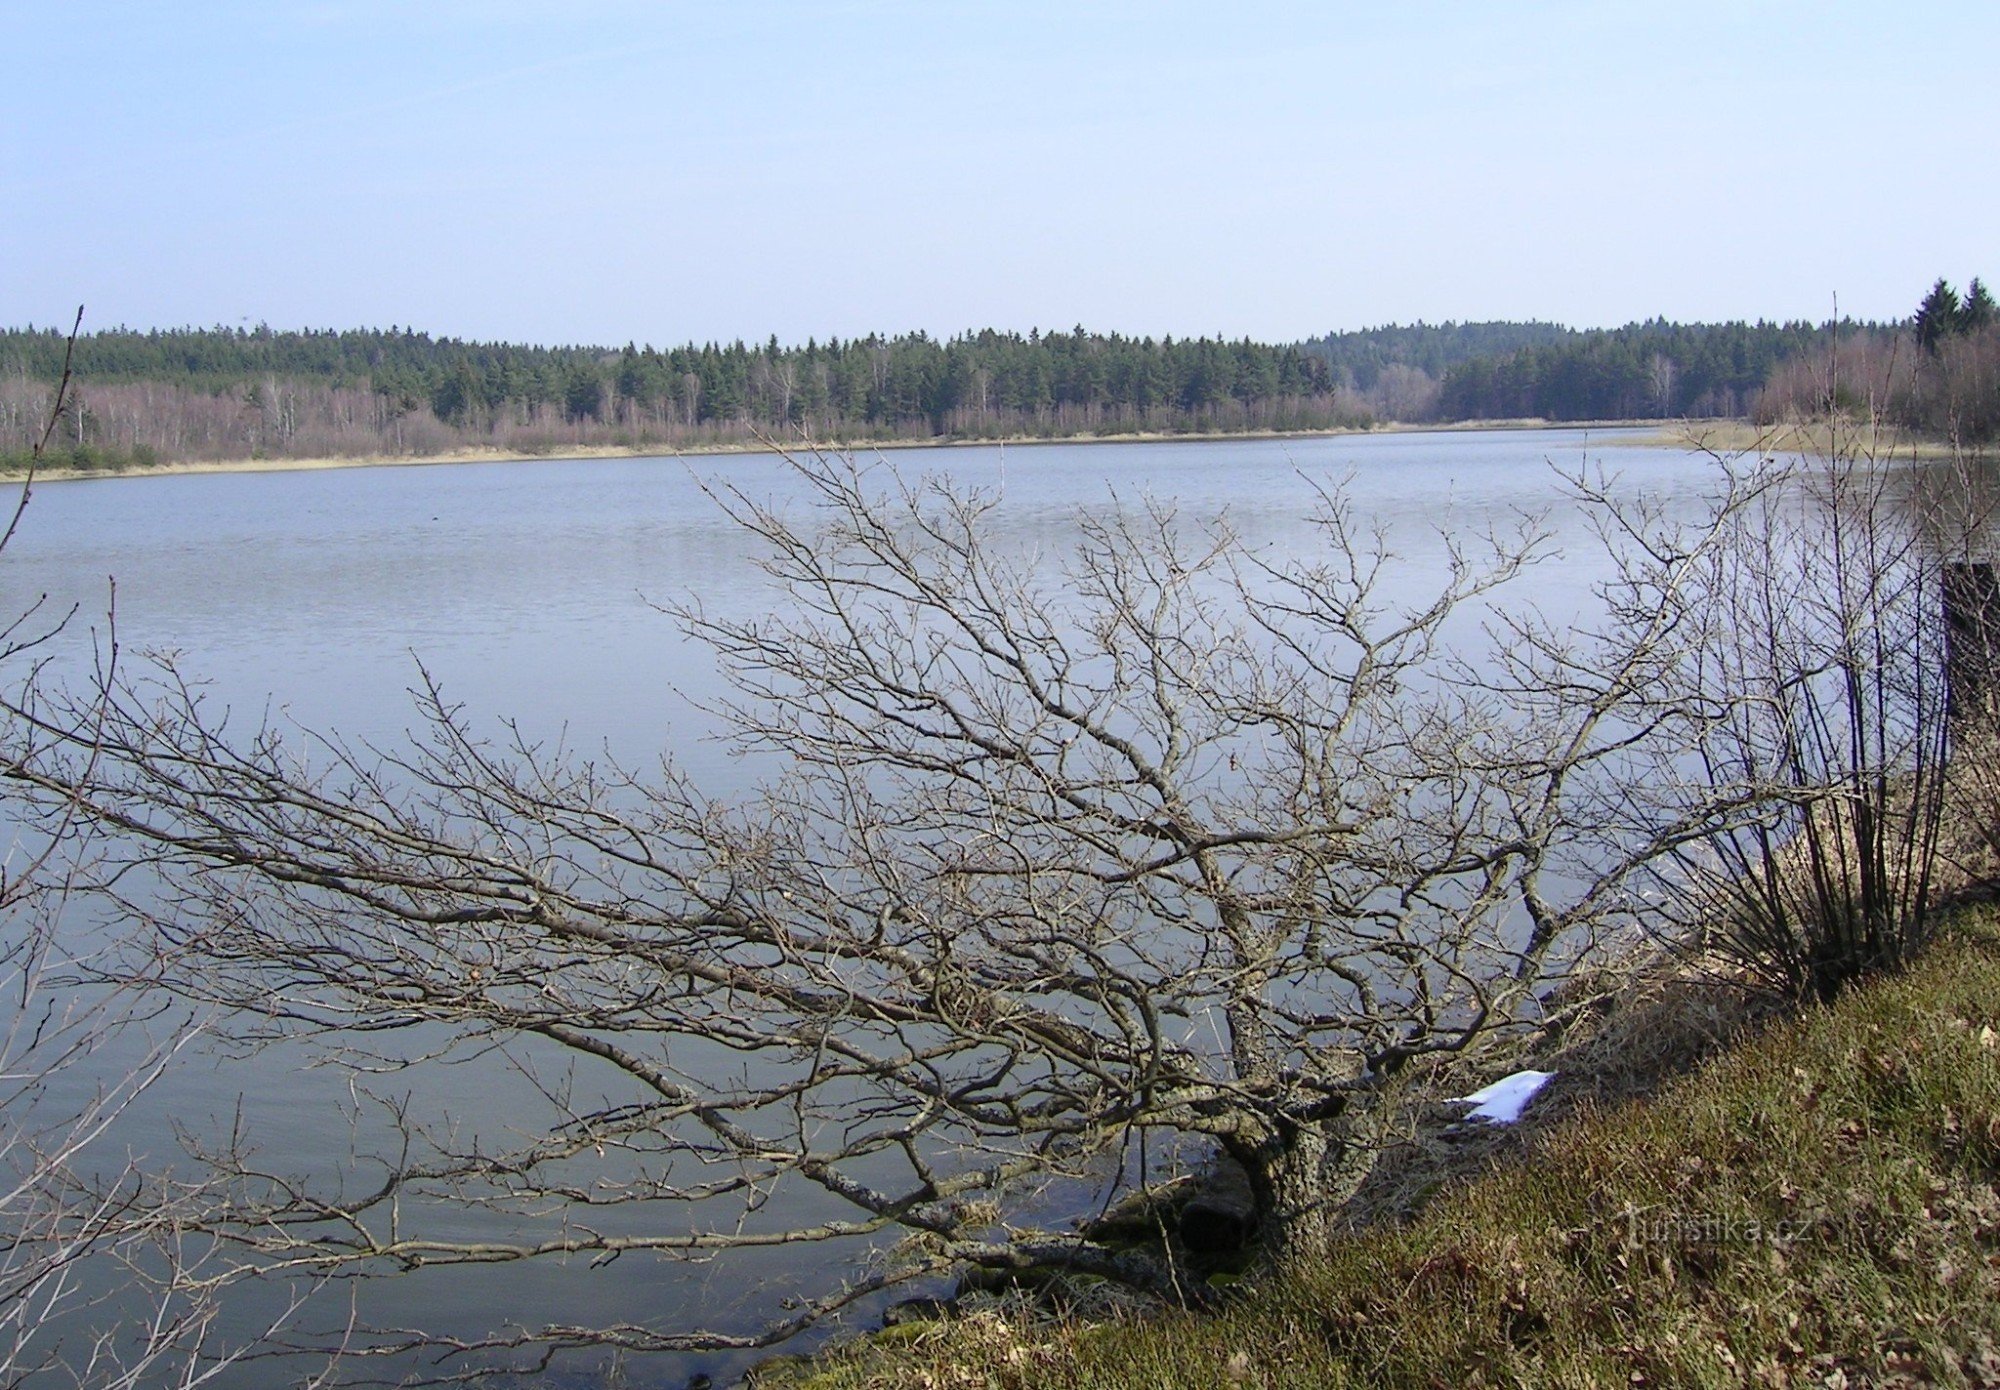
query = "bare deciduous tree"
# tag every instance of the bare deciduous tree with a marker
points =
(1187, 842)
(1826, 655)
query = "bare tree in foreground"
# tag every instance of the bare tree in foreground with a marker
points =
(1184, 844)
(1823, 788)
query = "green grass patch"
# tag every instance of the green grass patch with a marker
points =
(1819, 1206)
(79, 458)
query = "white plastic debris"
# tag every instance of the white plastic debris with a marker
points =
(1503, 1101)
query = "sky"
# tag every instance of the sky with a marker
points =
(605, 171)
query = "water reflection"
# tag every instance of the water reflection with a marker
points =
(1955, 506)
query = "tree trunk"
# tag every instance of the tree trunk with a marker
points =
(1303, 1180)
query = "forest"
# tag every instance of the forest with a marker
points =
(223, 393)
(1644, 371)
(255, 393)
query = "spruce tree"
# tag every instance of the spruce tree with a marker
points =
(1977, 311)
(1937, 317)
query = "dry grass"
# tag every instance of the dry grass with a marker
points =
(1969, 851)
(1817, 1206)
(1806, 438)
(1622, 1034)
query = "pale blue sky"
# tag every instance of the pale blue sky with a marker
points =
(605, 170)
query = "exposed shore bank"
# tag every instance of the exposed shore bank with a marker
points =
(1798, 437)
(1721, 437)
(300, 465)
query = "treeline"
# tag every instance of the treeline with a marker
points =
(1939, 377)
(260, 393)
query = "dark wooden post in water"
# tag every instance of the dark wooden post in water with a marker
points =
(1972, 645)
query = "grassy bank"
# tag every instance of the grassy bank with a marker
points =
(1818, 1206)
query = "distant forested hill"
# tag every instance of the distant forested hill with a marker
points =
(1361, 356)
(1504, 371)
(1651, 370)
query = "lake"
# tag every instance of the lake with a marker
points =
(528, 590)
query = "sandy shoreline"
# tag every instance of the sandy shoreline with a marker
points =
(1731, 437)
(1721, 437)
(302, 465)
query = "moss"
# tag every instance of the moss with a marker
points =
(784, 1371)
(903, 1333)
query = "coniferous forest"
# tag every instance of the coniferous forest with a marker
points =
(211, 394)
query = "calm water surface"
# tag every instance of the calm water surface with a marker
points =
(527, 589)
(525, 586)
